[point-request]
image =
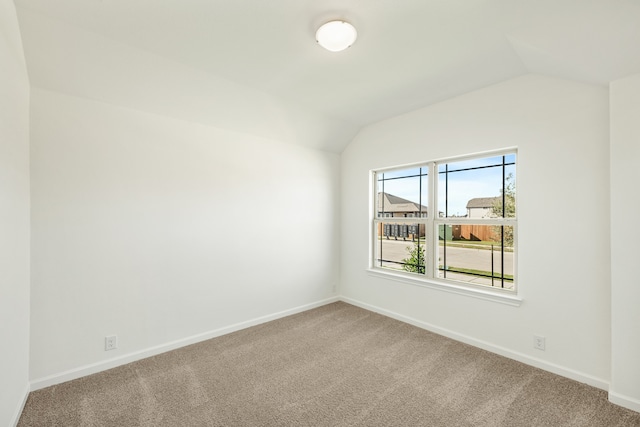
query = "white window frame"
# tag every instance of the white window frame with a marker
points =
(431, 223)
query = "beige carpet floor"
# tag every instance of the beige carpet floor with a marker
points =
(336, 365)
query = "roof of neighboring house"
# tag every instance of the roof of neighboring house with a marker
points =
(398, 204)
(482, 202)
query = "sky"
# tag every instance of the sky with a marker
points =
(463, 185)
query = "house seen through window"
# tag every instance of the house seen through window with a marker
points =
(452, 220)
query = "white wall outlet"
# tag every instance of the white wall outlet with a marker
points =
(110, 342)
(539, 342)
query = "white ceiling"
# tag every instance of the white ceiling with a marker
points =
(253, 65)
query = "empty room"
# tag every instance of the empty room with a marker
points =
(321, 213)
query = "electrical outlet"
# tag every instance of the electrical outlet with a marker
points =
(539, 342)
(110, 342)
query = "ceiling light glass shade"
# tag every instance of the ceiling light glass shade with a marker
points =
(336, 35)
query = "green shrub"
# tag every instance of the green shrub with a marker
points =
(415, 263)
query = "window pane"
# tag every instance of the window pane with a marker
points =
(509, 192)
(402, 193)
(478, 254)
(400, 247)
(474, 188)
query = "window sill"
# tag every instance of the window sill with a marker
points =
(483, 294)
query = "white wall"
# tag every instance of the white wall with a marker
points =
(14, 218)
(625, 205)
(561, 131)
(156, 230)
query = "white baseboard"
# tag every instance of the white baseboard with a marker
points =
(624, 401)
(19, 409)
(520, 357)
(142, 354)
(132, 357)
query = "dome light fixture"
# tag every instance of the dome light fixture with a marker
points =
(336, 35)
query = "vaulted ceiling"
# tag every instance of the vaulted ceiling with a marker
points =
(254, 66)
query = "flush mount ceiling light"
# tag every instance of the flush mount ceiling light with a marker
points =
(336, 35)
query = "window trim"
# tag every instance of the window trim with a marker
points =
(432, 222)
(495, 295)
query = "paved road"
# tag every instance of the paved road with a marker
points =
(476, 259)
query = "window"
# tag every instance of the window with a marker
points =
(448, 221)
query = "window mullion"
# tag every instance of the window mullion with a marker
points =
(432, 209)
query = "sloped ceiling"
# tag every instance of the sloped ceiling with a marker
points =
(253, 65)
